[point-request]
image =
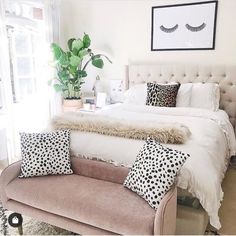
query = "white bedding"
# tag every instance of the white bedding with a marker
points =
(211, 144)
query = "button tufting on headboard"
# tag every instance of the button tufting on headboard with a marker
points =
(225, 76)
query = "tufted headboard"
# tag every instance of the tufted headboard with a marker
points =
(225, 76)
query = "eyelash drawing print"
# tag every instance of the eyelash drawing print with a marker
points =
(195, 28)
(169, 30)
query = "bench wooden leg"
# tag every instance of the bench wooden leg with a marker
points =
(20, 230)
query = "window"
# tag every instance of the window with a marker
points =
(28, 33)
(26, 37)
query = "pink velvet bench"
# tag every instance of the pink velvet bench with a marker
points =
(90, 201)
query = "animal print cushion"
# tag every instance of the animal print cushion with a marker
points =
(162, 95)
(154, 171)
(45, 153)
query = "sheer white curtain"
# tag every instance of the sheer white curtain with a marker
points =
(6, 129)
(51, 103)
(53, 21)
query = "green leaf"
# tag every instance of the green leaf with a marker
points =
(98, 63)
(69, 43)
(69, 54)
(74, 80)
(75, 52)
(86, 41)
(77, 88)
(73, 70)
(57, 51)
(64, 60)
(58, 87)
(77, 44)
(82, 73)
(65, 87)
(75, 61)
(96, 56)
(63, 75)
(83, 53)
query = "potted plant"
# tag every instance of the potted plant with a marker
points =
(71, 68)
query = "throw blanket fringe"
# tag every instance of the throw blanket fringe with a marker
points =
(174, 133)
(93, 158)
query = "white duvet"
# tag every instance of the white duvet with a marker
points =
(210, 145)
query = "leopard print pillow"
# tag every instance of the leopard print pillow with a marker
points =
(45, 153)
(162, 95)
(154, 171)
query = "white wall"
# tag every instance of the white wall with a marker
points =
(122, 29)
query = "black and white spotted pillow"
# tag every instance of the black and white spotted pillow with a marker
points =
(162, 95)
(45, 153)
(154, 171)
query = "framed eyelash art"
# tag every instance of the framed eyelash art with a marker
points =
(190, 26)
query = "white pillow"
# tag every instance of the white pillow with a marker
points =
(205, 96)
(136, 95)
(45, 153)
(154, 171)
(184, 95)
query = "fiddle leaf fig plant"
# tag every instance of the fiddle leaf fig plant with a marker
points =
(71, 65)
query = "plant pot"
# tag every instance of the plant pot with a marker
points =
(72, 104)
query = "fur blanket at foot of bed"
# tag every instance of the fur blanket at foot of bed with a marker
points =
(174, 133)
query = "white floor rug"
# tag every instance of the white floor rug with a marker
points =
(34, 227)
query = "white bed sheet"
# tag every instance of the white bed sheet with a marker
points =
(211, 144)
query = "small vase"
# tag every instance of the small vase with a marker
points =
(97, 87)
(72, 104)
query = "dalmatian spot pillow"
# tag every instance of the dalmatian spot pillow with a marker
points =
(45, 153)
(154, 171)
(162, 95)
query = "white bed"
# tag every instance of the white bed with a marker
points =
(210, 145)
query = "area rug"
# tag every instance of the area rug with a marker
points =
(3, 221)
(34, 227)
(30, 226)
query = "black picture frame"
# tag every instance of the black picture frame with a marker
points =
(180, 5)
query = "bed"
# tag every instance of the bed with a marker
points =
(212, 139)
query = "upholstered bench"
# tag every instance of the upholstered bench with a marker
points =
(90, 201)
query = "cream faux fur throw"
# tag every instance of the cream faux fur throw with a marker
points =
(174, 133)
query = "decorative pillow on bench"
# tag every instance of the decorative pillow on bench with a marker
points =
(154, 171)
(45, 153)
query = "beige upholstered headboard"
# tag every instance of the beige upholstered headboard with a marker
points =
(225, 76)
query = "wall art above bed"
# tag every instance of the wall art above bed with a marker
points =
(190, 26)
